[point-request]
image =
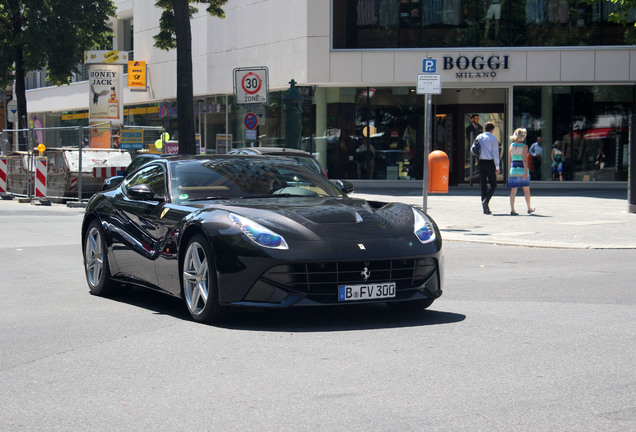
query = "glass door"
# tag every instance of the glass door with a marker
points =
(474, 125)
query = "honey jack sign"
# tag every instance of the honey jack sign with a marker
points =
(105, 91)
(105, 86)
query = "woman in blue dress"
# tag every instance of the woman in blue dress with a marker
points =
(519, 175)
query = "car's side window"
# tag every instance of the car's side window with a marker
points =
(153, 175)
(136, 163)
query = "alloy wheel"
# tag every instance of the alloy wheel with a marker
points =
(93, 257)
(195, 278)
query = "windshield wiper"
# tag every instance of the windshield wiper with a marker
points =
(284, 195)
(212, 198)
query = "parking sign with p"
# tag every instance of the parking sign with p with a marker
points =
(429, 65)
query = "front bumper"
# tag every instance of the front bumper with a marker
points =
(316, 284)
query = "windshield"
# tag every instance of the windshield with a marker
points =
(245, 177)
(309, 162)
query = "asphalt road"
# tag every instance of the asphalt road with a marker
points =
(524, 339)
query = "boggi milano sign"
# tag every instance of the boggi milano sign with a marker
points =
(475, 67)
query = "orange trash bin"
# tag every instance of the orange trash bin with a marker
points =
(438, 168)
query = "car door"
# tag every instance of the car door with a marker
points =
(137, 230)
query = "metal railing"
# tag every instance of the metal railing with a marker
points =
(72, 154)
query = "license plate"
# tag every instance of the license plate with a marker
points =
(366, 291)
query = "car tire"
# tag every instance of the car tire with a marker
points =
(411, 306)
(199, 284)
(96, 261)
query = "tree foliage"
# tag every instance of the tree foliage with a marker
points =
(174, 32)
(622, 12)
(51, 35)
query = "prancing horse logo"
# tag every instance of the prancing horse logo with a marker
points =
(365, 274)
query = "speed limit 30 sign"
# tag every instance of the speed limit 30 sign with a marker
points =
(251, 86)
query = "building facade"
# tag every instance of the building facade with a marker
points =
(558, 68)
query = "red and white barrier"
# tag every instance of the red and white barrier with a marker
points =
(107, 171)
(40, 177)
(3, 175)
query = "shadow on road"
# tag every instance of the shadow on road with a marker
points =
(339, 318)
(309, 319)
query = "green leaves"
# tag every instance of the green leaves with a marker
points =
(166, 38)
(51, 34)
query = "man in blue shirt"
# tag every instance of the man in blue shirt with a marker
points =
(488, 165)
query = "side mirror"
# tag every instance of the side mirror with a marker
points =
(112, 182)
(143, 192)
(344, 186)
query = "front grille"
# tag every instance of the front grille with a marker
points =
(324, 278)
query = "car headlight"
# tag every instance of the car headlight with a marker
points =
(423, 227)
(258, 233)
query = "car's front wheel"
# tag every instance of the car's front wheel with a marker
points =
(96, 261)
(199, 282)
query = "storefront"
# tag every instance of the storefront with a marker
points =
(587, 123)
(378, 133)
(560, 69)
(565, 73)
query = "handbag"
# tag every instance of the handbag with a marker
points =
(475, 148)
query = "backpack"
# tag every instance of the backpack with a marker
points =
(475, 149)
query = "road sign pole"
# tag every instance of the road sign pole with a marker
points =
(3, 95)
(427, 148)
(427, 84)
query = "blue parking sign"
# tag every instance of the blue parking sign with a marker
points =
(429, 65)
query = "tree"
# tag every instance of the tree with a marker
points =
(51, 35)
(622, 11)
(174, 32)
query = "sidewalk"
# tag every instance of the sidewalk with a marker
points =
(567, 216)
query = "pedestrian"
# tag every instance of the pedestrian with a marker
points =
(536, 151)
(488, 165)
(365, 160)
(599, 162)
(519, 175)
(557, 161)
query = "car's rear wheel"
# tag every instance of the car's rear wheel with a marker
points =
(199, 283)
(411, 306)
(96, 261)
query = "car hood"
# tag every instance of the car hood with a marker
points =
(328, 218)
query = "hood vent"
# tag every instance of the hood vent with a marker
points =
(327, 215)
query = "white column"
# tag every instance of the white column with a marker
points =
(320, 98)
(546, 132)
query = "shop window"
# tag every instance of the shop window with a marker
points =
(589, 129)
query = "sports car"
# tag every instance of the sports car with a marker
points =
(231, 231)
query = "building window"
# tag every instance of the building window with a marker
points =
(375, 24)
(588, 125)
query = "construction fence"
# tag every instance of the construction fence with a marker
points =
(77, 159)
